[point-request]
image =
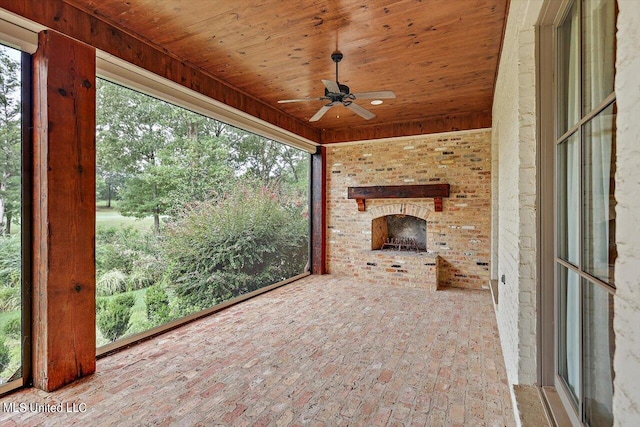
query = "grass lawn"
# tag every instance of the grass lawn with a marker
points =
(110, 217)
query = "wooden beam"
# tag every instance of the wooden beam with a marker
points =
(67, 19)
(399, 191)
(318, 211)
(437, 191)
(63, 322)
(430, 125)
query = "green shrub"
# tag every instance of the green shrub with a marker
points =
(146, 272)
(5, 356)
(111, 283)
(13, 327)
(120, 248)
(111, 257)
(157, 301)
(114, 315)
(10, 261)
(10, 299)
(216, 250)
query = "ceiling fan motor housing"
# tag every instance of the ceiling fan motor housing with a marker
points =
(344, 90)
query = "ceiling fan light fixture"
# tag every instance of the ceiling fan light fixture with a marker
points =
(337, 93)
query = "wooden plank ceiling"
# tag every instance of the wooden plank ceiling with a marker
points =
(440, 57)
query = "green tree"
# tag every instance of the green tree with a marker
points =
(194, 170)
(264, 159)
(200, 159)
(10, 140)
(134, 133)
(149, 193)
(108, 184)
(163, 155)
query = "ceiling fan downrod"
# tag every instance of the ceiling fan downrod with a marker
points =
(337, 57)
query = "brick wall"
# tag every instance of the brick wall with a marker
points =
(626, 397)
(514, 157)
(513, 149)
(459, 234)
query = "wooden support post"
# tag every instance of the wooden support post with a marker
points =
(64, 328)
(318, 211)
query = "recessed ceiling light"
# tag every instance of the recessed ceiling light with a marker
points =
(376, 102)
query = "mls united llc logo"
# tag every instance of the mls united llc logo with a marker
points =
(67, 407)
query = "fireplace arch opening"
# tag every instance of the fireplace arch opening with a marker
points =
(399, 232)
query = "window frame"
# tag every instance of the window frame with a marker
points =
(557, 396)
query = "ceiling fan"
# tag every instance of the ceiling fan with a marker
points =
(336, 93)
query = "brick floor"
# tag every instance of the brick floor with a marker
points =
(323, 351)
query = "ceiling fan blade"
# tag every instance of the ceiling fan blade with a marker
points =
(331, 86)
(284, 101)
(364, 113)
(382, 94)
(321, 112)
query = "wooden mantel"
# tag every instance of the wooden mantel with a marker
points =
(437, 191)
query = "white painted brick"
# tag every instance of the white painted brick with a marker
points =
(514, 207)
(626, 398)
(513, 218)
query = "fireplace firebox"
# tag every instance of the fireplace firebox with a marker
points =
(399, 232)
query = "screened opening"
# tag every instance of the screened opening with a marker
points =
(191, 212)
(12, 238)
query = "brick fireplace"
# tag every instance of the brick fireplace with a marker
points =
(399, 232)
(455, 248)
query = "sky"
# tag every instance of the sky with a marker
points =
(13, 53)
